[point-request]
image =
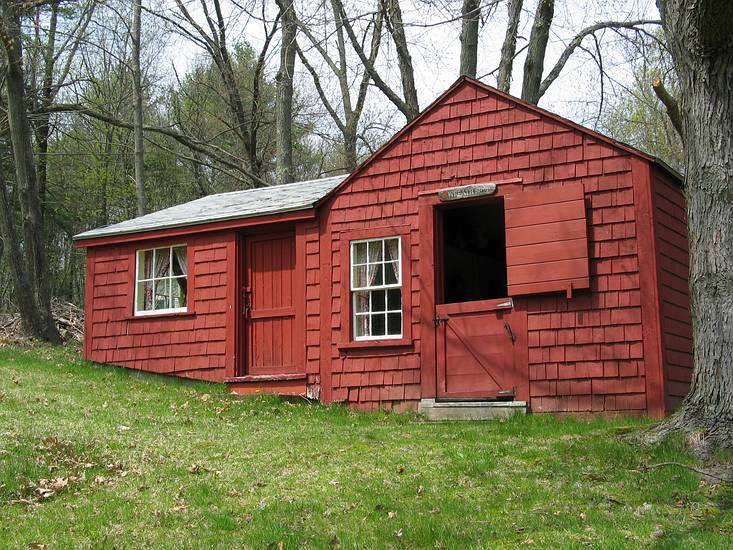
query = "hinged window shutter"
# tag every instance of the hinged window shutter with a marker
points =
(546, 241)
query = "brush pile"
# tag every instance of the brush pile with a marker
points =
(69, 322)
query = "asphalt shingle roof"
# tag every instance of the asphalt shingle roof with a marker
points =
(249, 203)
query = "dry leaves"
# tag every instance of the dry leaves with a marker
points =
(47, 488)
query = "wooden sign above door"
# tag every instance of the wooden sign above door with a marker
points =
(466, 192)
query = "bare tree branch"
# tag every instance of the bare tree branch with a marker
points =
(671, 105)
(575, 42)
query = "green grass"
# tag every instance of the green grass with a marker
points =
(157, 462)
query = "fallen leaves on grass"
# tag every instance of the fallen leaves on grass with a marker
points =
(47, 488)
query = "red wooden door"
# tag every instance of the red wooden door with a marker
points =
(273, 342)
(475, 344)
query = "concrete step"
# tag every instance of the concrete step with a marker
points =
(470, 410)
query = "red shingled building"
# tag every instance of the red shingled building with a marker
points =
(490, 250)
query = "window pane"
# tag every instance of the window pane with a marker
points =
(378, 300)
(179, 260)
(378, 325)
(394, 324)
(392, 247)
(361, 302)
(390, 273)
(162, 262)
(145, 265)
(361, 326)
(359, 277)
(145, 296)
(375, 251)
(394, 299)
(178, 292)
(162, 294)
(360, 253)
(376, 275)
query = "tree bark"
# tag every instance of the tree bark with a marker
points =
(509, 47)
(137, 116)
(699, 37)
(40, 325)
(31, 319)
(284, 104)
(469, 37)
(535, 62)
(393, 17)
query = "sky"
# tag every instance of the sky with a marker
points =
(435, 46)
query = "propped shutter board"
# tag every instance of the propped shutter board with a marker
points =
(546, 241)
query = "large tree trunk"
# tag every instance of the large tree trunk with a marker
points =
(33, 323)
(698, 34)
(469, 37)
(284, 105)
(137, 117)
(509, 47)
(34, 245)
(535, 62)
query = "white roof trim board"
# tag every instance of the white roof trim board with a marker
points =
(276, 199)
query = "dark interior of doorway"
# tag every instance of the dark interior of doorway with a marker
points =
(474, 253)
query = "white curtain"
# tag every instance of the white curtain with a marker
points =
(181, 259)
(375, 255)
(392, 254)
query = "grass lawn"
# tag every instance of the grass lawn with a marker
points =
(134, 460)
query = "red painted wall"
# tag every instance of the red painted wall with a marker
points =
(586, 354)
(194, 345)
(600, 351)
(670, 223)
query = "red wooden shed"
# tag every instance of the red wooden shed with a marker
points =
(490, 250)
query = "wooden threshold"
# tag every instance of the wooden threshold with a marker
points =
(266, 377)
(278, 384)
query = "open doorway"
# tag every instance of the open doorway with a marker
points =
(473, 253)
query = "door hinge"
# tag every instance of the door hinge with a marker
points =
(508, 328)
(438, 319)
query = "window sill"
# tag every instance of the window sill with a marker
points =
(376, 344)
(154, 316)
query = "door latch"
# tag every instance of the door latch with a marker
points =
(246, 301)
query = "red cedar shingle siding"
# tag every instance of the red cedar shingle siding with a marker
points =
(191, 346)
(585, 353)
(670, 221)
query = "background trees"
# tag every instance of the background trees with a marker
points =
(116, 107)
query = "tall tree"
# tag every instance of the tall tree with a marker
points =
(213, 38)
(284, 103)
(407, 102)
(470, 14)
(535, 61)
(352, 110)
(699, 37)
(137, 110)
(36, 312)
(509, 46)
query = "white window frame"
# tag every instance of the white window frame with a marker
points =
(171, 277)
(354, 289)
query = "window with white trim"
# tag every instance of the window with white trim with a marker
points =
(376, 288)
(161, 281)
